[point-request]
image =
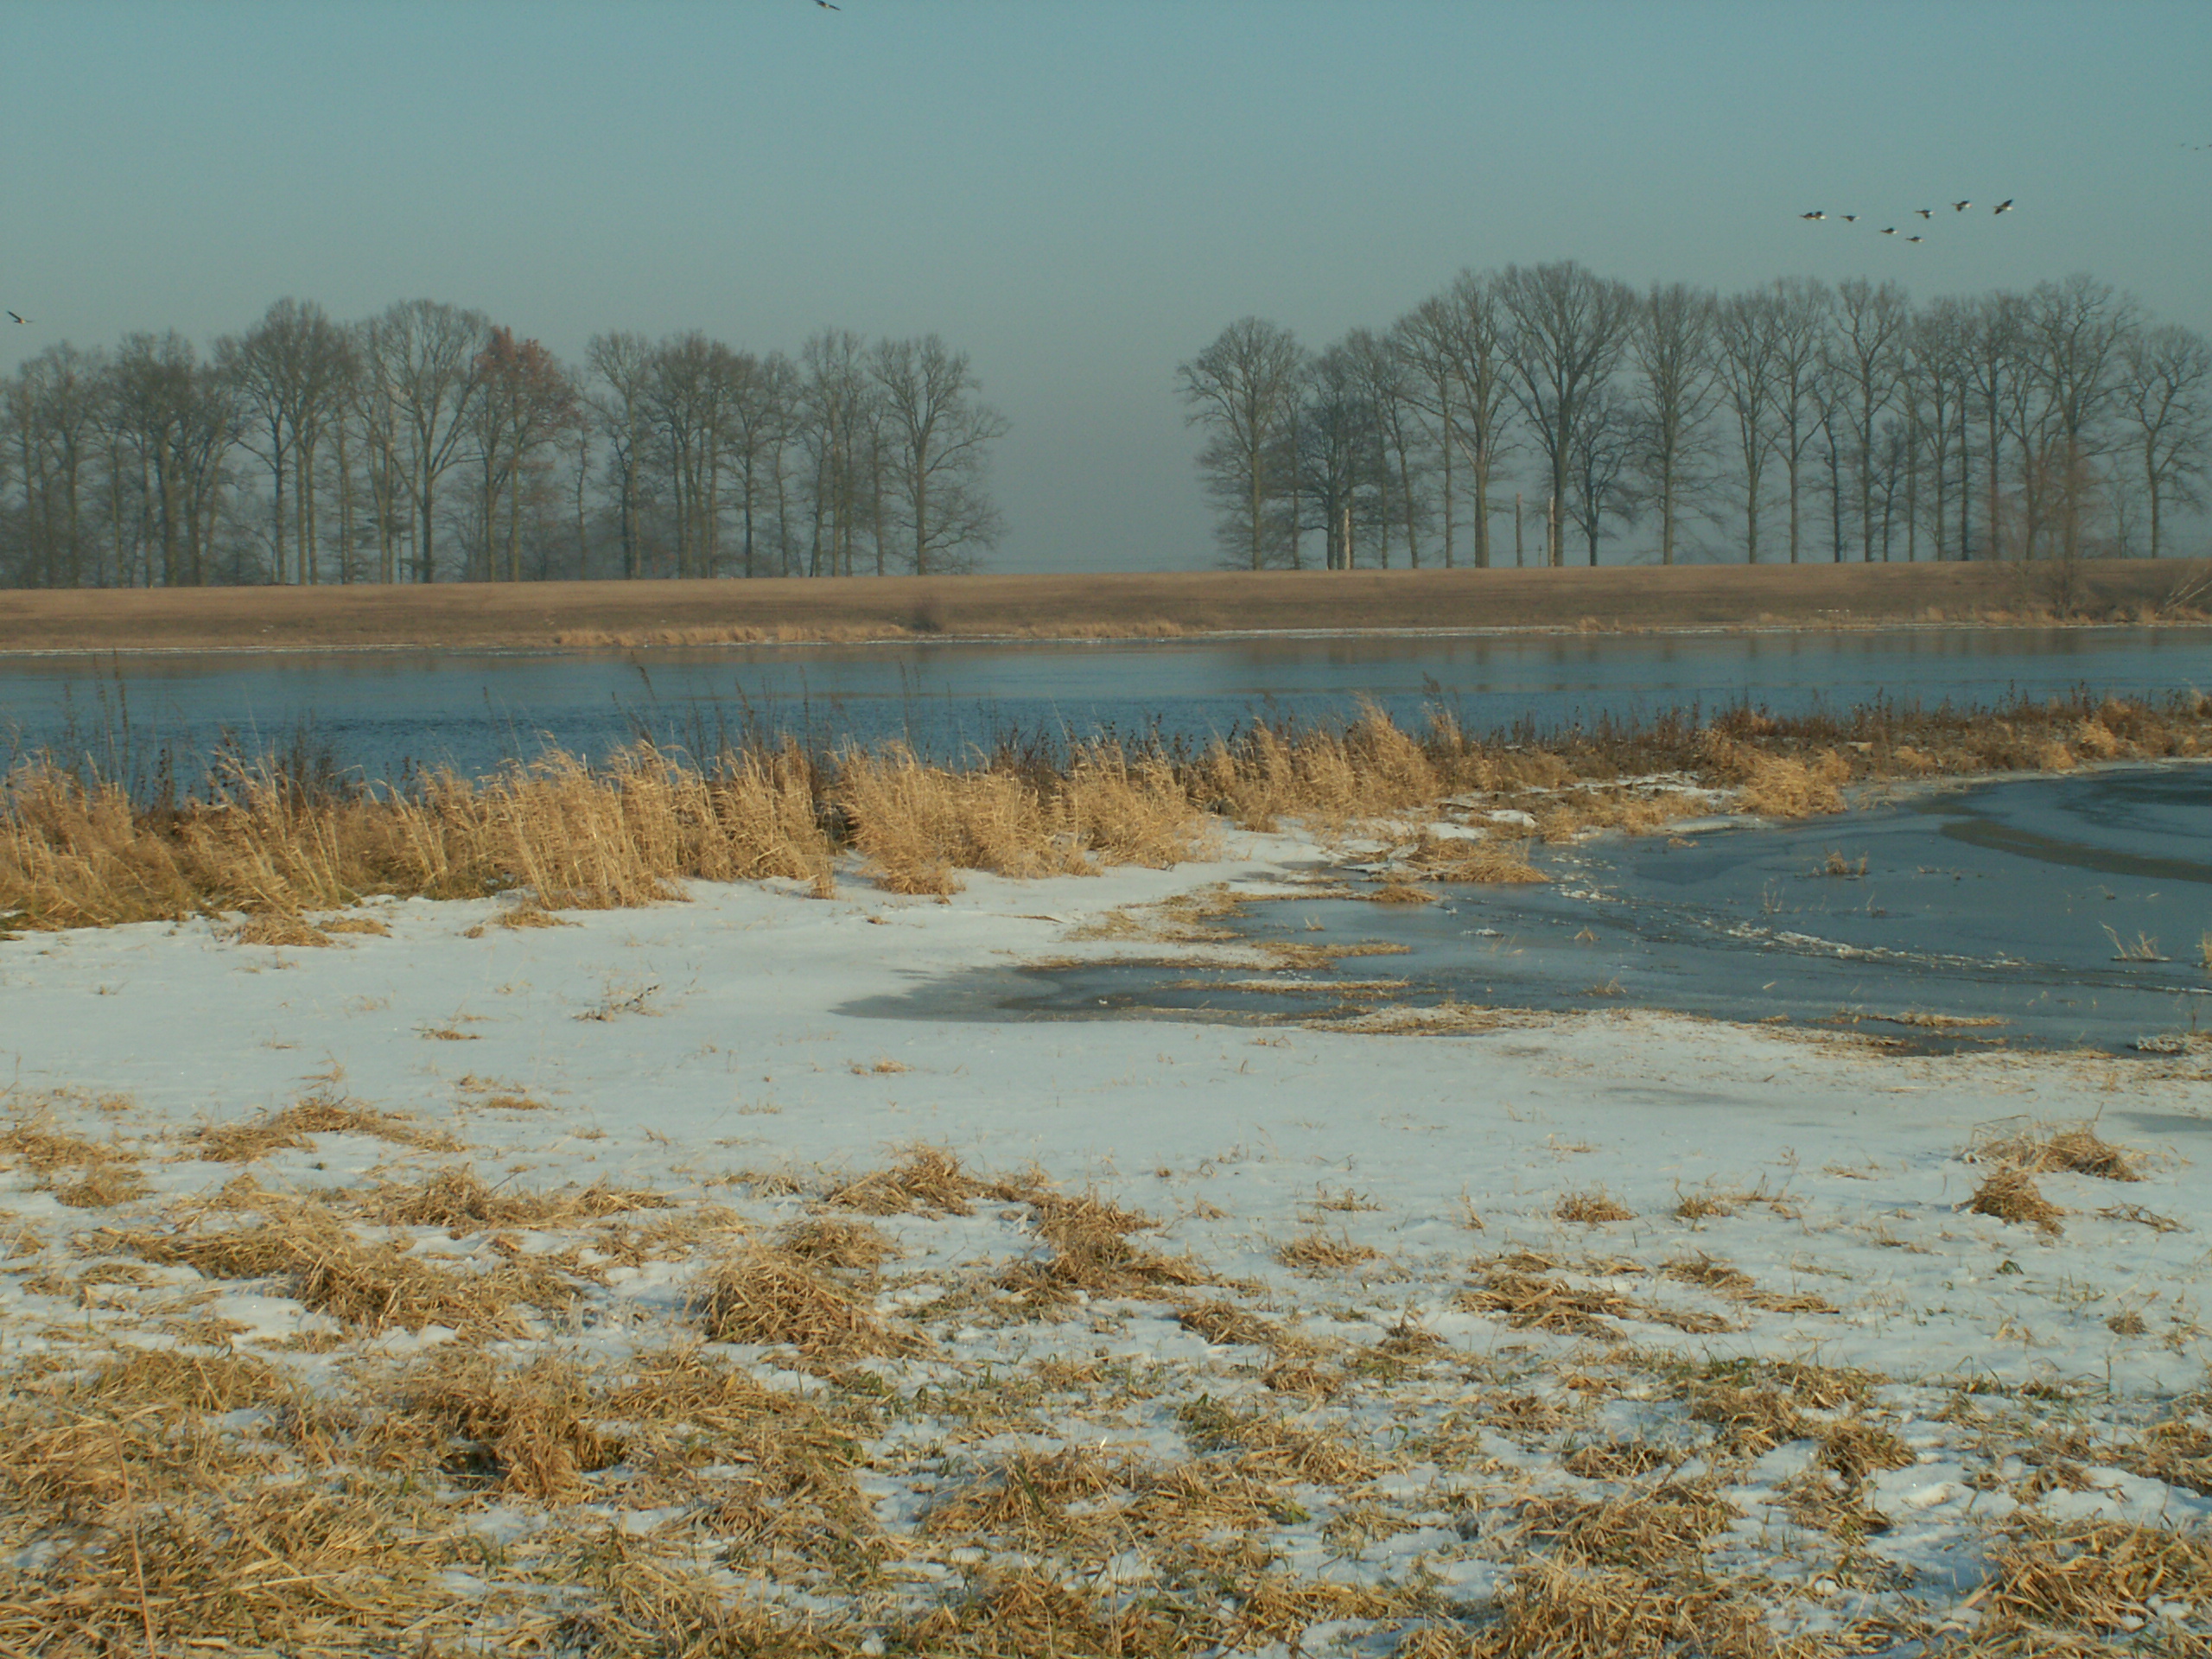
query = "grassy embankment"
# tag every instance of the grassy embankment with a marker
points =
(582, 615)
(79, 851)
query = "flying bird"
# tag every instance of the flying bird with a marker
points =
(2003, 206)
(1915, 238)
(18, 317)
(1851, 218)
(826, 6)
(1923, 212)
(1812, 215)
(1960, 207)
(1888, 230)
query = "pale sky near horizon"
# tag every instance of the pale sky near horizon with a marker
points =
(1078, 194)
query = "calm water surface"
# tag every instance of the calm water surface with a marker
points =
(379, 711)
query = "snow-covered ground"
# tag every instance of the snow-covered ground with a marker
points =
(1793, 1261)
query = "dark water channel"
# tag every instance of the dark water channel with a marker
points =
(2057, 911)
(379, 712)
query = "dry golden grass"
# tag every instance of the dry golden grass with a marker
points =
(2098, 1576)
(1749, 1419)
(2010, 1194)
(1317, 1253)
(843, 1246)
(287, 1131)
(1270, 1445)
(553, 833)
(275, 927)
(757, 1293)
(529, 1430)
(1088, 1249)
(1591, 1208)
(929, 1180)
(1550, 1609)
(1854, 1449)
(457, 1198)
(2040, 1149)
(1223, 1322)
(327, 1269)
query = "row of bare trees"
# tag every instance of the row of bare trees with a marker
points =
(428, 443)
(1842, 422)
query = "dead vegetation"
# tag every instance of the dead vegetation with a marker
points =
(758, 1293)
(288, 1130)
(2010, 1194)
(849, 1476)
(268, 845)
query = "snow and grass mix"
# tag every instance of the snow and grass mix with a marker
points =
(611, 1287)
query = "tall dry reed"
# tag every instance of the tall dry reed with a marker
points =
(77, 850)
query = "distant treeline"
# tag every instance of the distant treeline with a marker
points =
(1795, 421)
(428, 443)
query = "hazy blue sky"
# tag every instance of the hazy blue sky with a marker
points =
(1080, 194)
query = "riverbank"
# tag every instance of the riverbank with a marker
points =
(613, 614)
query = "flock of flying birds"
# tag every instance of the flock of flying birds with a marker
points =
(2004, 206)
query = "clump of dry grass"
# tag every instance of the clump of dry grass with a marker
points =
(1316, 1252)
(1591, 1209)
(2042, 1148)
(1618, 1460)
(1749, 1419)
(457, 1198)
(843, 1246)
(757, 1293)
(285, 1567)
(1022, 1613)
(278, 928)
(1552, 1610)
(327, 1269)
(287, 1131)
(2092, 1576)
(1644, 1530)
(1223, 1322)
(1268, 1443)
(1855, 1448)
(530, 1429)
(1088, 1241)
(929, 1178)
(1023, 1503)
(1488, 862)
(1536, 1300)
(2010, 1194)
(2178, 1452)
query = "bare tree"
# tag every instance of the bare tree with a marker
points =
(2165, 393)
(1671, 351)
(2076, 332)
(1803, 315)
(1937, 346)
(525, 402)
(1870, 325)
(1402, 468)
(837, 403)
(1747, 353)
(1568, 330)
(428, 357)
(293, 370)
(1606, 437)
(1991, 357)
(939, 439)
(1340, 466)
(1243, 388)
(623, 364)
(1460, 339)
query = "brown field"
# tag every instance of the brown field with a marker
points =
(585, 614)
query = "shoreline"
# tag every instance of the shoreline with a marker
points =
(1534, 631)
(1114, 609)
